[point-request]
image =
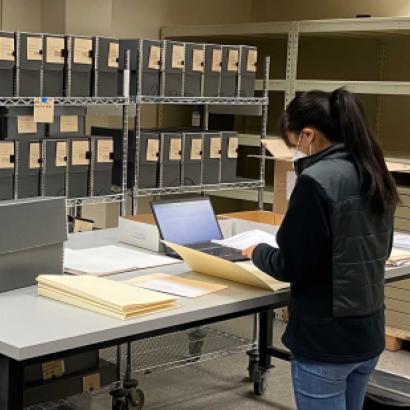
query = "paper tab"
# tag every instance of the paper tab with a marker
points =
(69, 123)
(152, 150)
(34, 48)
(79, 151)
(54, 48)
(61, 154)
(6, 153)
(154, 60)
(82, 51)
(233, 59)
(233, 145)
(277, 148)
(113, 55)
(196, 149)
(105, 148)
(216, 60)
(175, 149)
(178, 56)
(215, 148)
(91, 383)
(198, 58)
(44, 109)
(52, 369)
(26, 124)
(34, 161)
(252, 61)
(7, 49)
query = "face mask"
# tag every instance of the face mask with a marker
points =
(297, 153)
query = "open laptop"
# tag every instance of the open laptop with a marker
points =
(192, 223)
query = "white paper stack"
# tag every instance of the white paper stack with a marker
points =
(111, 259)
(105, 296)
(246, 239)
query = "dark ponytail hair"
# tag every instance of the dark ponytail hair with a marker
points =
(340, 117)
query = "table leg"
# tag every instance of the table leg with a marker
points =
(11, 384)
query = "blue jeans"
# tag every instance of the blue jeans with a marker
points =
(330, 386)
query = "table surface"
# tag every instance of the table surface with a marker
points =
(32, 326)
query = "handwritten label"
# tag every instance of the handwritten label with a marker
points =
(198, 58)
(233, 147)
(34, 161)
(82, 51)
(154, 60)
(152, 150)
(26, 124)
(196, 149)
(6, 154)
(215, 147)
(217, 60)
(69, 123)
(61, 154)
(34, 48)
(233, 58)
(175, 149)
(7, 49)
(252, 60)
(113, 54)
(52, 369)
(44, 109)
(178, 56)
(105, 148)
(54, 48)
(91, 383)
(79, 151)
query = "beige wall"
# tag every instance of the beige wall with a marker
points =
(271, 10)
(21, 15)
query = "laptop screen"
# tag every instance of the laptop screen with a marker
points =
(187, 222)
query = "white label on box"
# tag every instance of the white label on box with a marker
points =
(252, 61)
(196, 149)
(34, 48)
(68, 123)
(82, 51)
(178, 56)
(44, 109)
(290, 183)
(61, 154)
(6, 152)
(154, 60)
(217, 60)
(26, 124)
(152, 150)
(215, 148)
(79, 152)
(175, 149)
(198, 57)
(233, 59)
(52, 369)
(34, 161)
(7, 48)
(113, 54)
(54, 48)
(105, 148)
(233, 147)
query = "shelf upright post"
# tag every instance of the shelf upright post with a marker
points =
(264, 124)
(125, 113)
(292, 62)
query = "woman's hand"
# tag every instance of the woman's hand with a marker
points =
(248, 252)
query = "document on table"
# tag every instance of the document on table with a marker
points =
(401, 240)
(398, 257)
(244, 273)
(175, 285)
(246, 239)
(111, 259)
(101, 295)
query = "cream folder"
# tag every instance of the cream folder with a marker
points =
(243, 273)
(102, 295)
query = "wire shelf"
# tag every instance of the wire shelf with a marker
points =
(75, 101)
(179, 349)
(199, 188)
(147, 99)
(106, 199)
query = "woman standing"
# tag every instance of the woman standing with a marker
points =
(333, 244)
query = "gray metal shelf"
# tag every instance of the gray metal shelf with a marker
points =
(146, 99)
(105, 199)
(72, 101)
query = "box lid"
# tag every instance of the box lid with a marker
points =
(32, 222)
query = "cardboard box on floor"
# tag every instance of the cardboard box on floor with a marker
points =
(284, 174)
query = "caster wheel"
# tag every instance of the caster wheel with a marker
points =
(119, 399)
(195, 348)
(253, 370)
(136, 399)
(259, 387)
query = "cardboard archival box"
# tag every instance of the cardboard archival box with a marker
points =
(284, 174)
(141, 231)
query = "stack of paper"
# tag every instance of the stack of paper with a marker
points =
(115, 299)
(398, 257)
(111, 259)
(246, 239)
(244, 273)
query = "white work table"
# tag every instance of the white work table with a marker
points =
(34, 329)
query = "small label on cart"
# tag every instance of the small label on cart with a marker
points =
(83, 225)
(233, 59)
(69, 123)
(34, 48)
(198, 57)
(154, 60)
(215, 148)
(113, 55)
(7, 49)
(82, 51)
(196, 149)
(34, 155)
(79, 151)
(233, 147)
(61, 154)
(91, 383)
(105, 148)
(178, 56)
(252, 60)
(152, 150)
(44, 109)
(52, 369)
(54, 48)
(175, 149)
(217, 60)
(26, 124)
(6, 153)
